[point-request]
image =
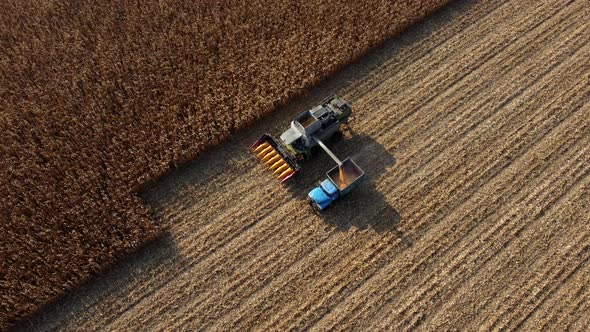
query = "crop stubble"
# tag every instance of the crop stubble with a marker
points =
(488, 118)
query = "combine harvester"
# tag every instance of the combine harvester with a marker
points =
(301, 141)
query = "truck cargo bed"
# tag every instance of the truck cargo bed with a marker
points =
(347, 176)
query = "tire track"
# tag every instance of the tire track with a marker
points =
(448, 75)
(454, 228)
(413, 69)
(437, 243)
(470, 254)
(456, 21)
(569, 300)
(398, 187)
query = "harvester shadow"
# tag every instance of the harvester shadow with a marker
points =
(365, 207)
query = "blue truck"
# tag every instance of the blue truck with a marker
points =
(339, 181)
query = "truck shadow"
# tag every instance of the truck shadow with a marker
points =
(365, 207)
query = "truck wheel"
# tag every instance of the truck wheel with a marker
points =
(313, 204)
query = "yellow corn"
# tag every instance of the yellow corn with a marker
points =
(265, 151)
(286, 173)
(270, 155)
(273, 160)
(281, 169)
(261, 147)
(277, 164)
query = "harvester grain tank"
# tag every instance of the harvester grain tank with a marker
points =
(300, 142)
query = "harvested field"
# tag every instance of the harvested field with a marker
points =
(474, 132)
(98, 99)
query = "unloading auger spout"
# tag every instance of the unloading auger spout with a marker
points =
(328, 151)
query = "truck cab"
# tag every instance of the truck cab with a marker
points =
(323, 195)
